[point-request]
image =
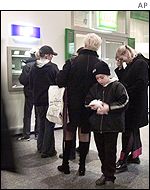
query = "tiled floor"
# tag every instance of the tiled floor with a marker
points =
(42, 173)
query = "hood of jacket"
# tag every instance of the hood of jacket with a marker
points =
(113, 79)
(40, 63)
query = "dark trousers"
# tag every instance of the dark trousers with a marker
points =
(28, 106)
(106, 144)
(131, 142)
(46, 140)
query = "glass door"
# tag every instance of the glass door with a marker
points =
(109, 51)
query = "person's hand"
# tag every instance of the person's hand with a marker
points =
(93, 107)
(119, 64)
(95, 104)
(103, 110)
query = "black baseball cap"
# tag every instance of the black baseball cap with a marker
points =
(47, 50)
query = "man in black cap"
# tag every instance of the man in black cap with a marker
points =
(43, 74)
(46, 50)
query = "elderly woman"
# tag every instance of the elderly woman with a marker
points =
(78, 78)
(135, 78)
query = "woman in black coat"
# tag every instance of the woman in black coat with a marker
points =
(78, 78)
(135, 78)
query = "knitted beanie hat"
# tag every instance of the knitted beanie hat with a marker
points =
(101, 68)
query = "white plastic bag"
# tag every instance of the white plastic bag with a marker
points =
(55, 109)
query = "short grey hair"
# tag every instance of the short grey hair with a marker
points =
(92, 41)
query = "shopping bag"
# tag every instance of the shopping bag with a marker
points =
(55, 109)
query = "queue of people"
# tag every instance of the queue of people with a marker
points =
(95, 102)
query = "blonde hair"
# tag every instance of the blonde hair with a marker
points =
(122, 49)
(92, 41)
(35, 51)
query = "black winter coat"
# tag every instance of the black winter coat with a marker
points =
(78, 78)
(24, 78)
(115, 95)
(40, 80)
(135, 79)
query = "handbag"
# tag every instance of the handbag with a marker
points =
(55, 108)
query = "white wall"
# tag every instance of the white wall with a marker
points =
(52, 25)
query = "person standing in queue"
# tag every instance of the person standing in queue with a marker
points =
(28, 104)
(108, 99)
(135, 78)
(64, 81)
(43, 74)
(79, 79)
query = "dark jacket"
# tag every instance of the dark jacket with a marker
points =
(63, 75)
(30, 59)
(7, 149)
(40, 80)
(135, 79)
(115, 95)
(24, 77)
(78, 78)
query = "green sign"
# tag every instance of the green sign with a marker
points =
(131, 42)
(107, 20)
(69, 43)
(140, 15)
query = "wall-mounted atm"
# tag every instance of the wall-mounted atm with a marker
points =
(15, 57)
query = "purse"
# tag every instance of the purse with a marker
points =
(55, 109)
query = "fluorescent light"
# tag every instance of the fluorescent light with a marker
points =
(25, 31)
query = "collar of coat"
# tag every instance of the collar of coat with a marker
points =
(88, 52)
